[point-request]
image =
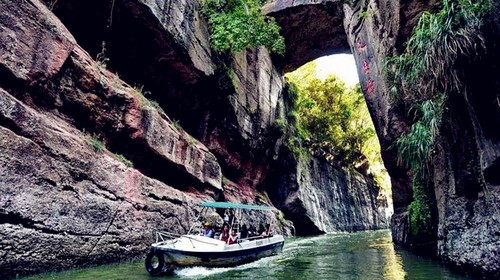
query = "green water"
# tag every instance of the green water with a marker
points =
(363, 255)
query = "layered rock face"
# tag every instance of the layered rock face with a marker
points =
(70, 129)
(466, 165)
(229, 103)
(466, 157)
(320, 198)
(467, 234)
(67, 198)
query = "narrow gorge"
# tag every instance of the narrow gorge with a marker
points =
(118, 118)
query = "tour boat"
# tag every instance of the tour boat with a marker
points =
(172, 250)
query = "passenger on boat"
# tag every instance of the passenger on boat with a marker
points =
(262, 229)
(244, 232)
(207, 231)
(268, 232)
(224, 235)
(233, 238)
(251, 231)
(226, 216)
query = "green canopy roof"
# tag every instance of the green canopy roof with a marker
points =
(231, 205)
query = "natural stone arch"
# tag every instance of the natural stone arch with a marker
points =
(312, 29)
(376, 30)
(317, 28)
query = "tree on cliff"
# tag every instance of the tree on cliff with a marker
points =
(333, 119)
(239, 24)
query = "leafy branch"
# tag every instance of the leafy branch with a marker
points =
(236, 25)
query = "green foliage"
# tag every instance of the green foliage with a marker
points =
(441, 45)
(420, 212)
(226, 78)
(138, 92)
(280, 217)
(414, 148)
(144, 101)
(328, 119)
(295, 133)
(225, 181)
(191, 141)
(332, 119)
(434, 53)
(176, 124)
(155, 104)
(280, 125)
(298, 150)
(239, 24)
(101, 59)
(96, 143)
(364, 14)
(123, 159)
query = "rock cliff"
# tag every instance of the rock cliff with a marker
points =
(318, 197)
(466, 158)
(72, 126)
(68, 199)
(90, 165)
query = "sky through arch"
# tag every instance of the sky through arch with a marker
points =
(342, 65)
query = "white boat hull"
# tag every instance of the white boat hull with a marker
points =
(191, 250)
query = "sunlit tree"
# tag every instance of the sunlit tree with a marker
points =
(334, 117)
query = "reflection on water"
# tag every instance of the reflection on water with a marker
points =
(363, 255)
(393, 264)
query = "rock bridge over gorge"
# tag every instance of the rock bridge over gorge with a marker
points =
(55, 97)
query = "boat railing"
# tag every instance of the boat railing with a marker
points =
(162, 236)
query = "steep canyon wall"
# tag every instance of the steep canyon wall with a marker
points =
(321, 198)
(102, 143)
(466, 153)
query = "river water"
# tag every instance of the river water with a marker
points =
(363, 255)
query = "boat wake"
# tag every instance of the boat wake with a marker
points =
(289, 251)
(201, 272)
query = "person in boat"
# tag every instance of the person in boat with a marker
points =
(251, 231)
(207, 230)
(262, 229)
(224, 235)
(226, 216)
(233, 237)
(267, 231)
(244, 232)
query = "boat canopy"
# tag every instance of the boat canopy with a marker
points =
(231, 205)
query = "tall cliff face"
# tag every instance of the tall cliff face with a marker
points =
(67, 200)
(229, 103)
(466, 156)
(466, 165)
(320, 198)
(467, 148)
(90, 165)
(465, 152)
